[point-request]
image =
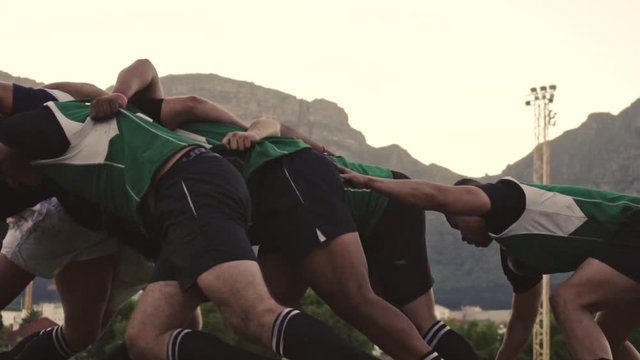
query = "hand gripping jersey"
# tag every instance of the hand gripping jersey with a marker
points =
(561, 226)
(366, 205)
(113, 162)
(264, 150)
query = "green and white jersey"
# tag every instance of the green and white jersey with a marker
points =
(366, 205)
(112, 162)
(267, 149)
(561, 226)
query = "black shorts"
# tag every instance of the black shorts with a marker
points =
(17, 199)
(298, 202)
(203, 208)
(396, 252)
(623, 251)
(26, 98)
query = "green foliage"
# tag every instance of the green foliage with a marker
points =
(113, 334)
(485, 336)
(313, 305)
(31, 316)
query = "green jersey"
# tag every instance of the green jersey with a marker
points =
(560, 226)
(262, 151)
(366, 205)
(113, 162)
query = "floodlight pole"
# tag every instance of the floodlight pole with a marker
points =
(540, 99)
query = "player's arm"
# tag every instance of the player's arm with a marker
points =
(137, 81)
(77, 90)
(289, 131)
(523, 316)
(527, 292)
(178, 111)
(455, 200)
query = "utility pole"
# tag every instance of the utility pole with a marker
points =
(540, 99)
(27, 306)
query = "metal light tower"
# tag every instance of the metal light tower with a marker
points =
(27, 306)
(540, 99)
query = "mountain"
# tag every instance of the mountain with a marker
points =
(18, 80)
(603, 152)
(320, 119)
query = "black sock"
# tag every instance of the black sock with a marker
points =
(48, 345)
(17, 349)
(433, 355)
(296, 335)
(119, 352)
(197, 345)
(448, 343)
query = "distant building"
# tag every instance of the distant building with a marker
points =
(11, 319)
(469, 313)
(52, 311)
(442, 312)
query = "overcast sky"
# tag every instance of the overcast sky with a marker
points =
(446, 80)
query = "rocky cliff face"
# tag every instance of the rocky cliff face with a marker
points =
(603, 152)
(19, 80)
(321, 119)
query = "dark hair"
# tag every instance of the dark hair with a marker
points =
(467, 181)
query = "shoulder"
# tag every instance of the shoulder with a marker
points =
(508, 202)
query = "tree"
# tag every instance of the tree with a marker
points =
(31, 316)
(113, 334)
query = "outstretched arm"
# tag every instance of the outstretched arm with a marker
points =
(454, 200)
(140, 81)
(523, 316)
(289, 131)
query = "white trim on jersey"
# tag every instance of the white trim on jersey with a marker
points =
(546, 212)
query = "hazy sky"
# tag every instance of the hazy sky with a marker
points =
(446, 80)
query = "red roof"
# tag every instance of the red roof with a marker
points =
(36, 325)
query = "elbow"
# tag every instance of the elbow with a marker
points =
(186, 108)
(144, 63)
(191, 105)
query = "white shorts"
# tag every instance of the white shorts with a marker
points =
(44, 239)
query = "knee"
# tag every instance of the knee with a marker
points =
(139, 342)
(351, 300)
(565, 298)
(254, 324)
